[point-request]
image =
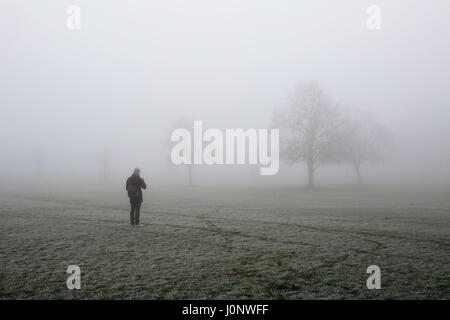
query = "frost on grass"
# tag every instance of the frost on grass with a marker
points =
(219, 243)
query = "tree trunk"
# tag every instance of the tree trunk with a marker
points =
(310, 166)
(358, 172)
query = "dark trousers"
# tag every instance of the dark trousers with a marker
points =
(135, 211)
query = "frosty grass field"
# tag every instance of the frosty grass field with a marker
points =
(224, 243)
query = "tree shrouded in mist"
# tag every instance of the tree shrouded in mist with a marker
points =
(313, 130)
(308, 127)
(363, 140)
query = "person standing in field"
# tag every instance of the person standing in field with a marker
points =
(134, 186)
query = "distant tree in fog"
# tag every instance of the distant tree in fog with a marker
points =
(308, 128)
(363, 140)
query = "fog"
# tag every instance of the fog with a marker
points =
(90, 105)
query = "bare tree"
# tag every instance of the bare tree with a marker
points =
(364, 140)
(308, 128)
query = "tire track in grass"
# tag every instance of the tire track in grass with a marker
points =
(203, 218)
(263, 238)
(212, 227)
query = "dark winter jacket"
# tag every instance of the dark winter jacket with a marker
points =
(134, 186)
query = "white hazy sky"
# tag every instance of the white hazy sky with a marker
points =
(137, 66)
